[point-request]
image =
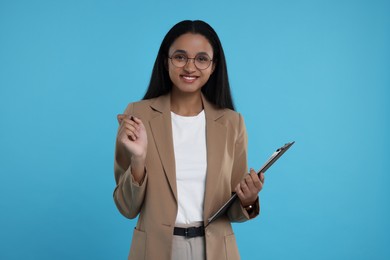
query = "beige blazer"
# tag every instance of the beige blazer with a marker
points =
(155, 199)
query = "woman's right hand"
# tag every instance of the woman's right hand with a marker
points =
(132, 138)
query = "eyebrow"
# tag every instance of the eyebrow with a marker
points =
(183, 51)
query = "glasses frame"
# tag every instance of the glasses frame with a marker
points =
(211, 61)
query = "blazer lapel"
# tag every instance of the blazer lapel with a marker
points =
(161, 128)
(216, 144)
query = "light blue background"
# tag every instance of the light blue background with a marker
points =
(316, 72)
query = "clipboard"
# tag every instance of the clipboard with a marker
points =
(274, 157)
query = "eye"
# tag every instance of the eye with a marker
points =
(179, 57)
(202, 58)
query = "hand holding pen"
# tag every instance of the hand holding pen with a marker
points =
(133, 142)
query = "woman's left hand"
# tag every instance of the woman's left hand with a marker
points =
(249, 187)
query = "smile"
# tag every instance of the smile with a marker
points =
(189, 78)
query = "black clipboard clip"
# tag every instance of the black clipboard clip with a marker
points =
(274, 157)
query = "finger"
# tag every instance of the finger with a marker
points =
(129, 123)
(131, 135)
(124, 132)
(123, 135)
(256, 181)
(249, 182)
(139, 122)
(121, 131)
(120, 117)
(244, 187)
(262, 177)
(128, 120)
(132, 129)
(251, 177)
(239, 192)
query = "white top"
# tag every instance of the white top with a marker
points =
(189, 143)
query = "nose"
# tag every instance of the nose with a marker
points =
(190, 65)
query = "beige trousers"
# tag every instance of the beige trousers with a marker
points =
(188, 248)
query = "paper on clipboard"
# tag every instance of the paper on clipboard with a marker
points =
(274, 157)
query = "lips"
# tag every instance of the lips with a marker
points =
(188, 79)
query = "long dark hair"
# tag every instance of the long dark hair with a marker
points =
(217, 88)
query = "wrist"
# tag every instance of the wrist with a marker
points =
(250, 203)
(138, 168)
(251, 207)
(138, 159)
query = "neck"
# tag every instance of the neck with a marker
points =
(186, 104)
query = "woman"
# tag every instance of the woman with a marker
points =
(181, 153)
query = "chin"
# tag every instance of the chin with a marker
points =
(187, 88)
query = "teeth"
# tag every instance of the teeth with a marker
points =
(189, 78)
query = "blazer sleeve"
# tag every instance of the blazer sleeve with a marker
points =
(128, 194)
(236, 212)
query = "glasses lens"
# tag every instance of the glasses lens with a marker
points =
(179, 60)
(202, 61)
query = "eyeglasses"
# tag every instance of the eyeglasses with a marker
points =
(201, 61)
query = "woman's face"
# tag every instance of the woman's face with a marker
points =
(190, 78)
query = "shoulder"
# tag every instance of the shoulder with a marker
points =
(143, 108)
(224, 116)
(231, 117)
(231, 120)
(234, 125)
(140, 105)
